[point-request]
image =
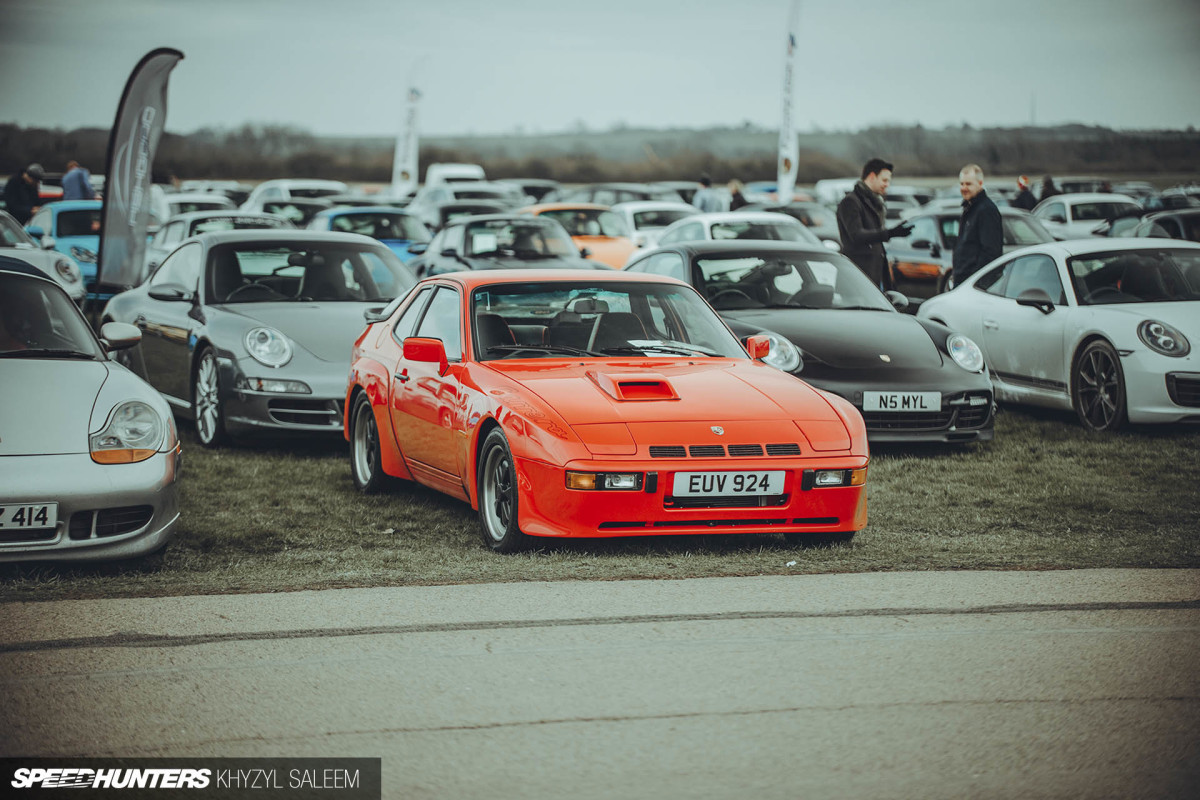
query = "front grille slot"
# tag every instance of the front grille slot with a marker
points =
(783, 449)
(745, 450)
(720, 523)
(667, 451)
(1184, 390)
(297, 411)
(706, 451)
(26, 535)
(750, 450)
(753, 501)
(108, 522)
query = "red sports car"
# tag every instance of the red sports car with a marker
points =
(568, 404)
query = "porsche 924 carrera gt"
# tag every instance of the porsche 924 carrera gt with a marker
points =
(561, 403)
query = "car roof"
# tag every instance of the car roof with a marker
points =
(279, 234)
(471, 279)
(566, 206)
(75, 205)
(739, 216)
(702, 247)
(343, 211)
(1174, 212)
(1005, 211)
(511, 216)
(191, 216)
(651, 205)
(1092, 197)
(1079, 247)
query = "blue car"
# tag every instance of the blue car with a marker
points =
(71, 227)
(394, 227)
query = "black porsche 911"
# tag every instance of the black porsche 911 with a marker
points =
(252, 330)
(913, 380)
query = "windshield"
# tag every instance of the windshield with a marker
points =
(259, 272)
(210, 224)
(38, 319)
(553, 320)
(12, 234)
(790, 231)
(775, 280)
(523, 238)
(660, 218)
(1083, 212)
(188, 206)
(588, 221)
(382, 225)
(1136, 276)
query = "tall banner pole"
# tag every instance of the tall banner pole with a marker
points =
(789, 147)
(125, 215)
(405, 167)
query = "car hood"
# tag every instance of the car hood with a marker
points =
(327, 330)
(849, 339)
(50, 422)
(1181, 315)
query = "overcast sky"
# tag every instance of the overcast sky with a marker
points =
(498, 66)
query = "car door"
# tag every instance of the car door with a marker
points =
(1024, 344)
(167, 325)
(425, 405)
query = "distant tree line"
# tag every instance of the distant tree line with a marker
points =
(254, 152)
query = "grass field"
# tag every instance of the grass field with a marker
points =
(1043, 495)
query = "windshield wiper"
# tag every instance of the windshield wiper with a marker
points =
(45, 352)
(685, 350)
(862, 308)
(544, 348)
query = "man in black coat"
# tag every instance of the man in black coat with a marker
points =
(980, 230)
(861, 216)
(21, 193)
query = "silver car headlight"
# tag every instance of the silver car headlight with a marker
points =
(68, 271)
(783, 354)
(965, 353)
(84, 255)
(133, 433)
(1163, 339)
(268, 347)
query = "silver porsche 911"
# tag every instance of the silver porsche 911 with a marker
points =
(89, 457)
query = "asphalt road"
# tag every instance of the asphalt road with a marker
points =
(1069, 684)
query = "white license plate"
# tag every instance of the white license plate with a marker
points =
(902, 401)
(727, 484)
(30, 515)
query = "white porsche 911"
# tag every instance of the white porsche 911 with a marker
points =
(1101, 326)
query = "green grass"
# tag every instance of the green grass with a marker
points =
(1044, 495)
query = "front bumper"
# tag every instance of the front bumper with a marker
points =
(248, 411)
(548, 508)
(105, 511)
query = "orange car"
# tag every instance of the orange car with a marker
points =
(594, 228)
(565, 403)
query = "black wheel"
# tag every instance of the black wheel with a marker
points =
(206, 401)
(365, 457)
(1098, 388)
(817, 539)
(497, 486)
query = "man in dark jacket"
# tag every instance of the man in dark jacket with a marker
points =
(861, 216)
(980, 231)
(21, 193)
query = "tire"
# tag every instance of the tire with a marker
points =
(818, 539)
(1098, 388)
(365, 458)
(496, 482)
(206, 401)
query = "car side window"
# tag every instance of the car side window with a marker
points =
(1035, 272)
(669, 264)
(994, 280)
(684, 233)
(181, 268)
(408, 318)
(174, 233)
(443, 320)
(1058, 210)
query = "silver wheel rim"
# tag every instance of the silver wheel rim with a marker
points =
(1099, 389)
(496, 496)
(366, 439)
(208, 405)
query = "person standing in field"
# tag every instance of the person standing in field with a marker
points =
(980, 230)
(861, 216)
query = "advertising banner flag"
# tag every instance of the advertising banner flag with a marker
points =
(125, 218)
(789, 147)
(405, 169)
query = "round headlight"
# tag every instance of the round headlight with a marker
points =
(783, 354)
(132, 434)
(1162, 338)
(965, 353)
(268, 347)
(67, 271)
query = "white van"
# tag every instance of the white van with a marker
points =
(437, 174)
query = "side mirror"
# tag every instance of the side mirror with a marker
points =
(417, 248)
(921, 244)
(449, 252)
(1056, 217)
(759, 347)
(119, 336)
(584, 252)
(35, 231)
(171, 293)
(373, 315)
(47, 242)
(431, 351)
(1036, 298)
(898, 300)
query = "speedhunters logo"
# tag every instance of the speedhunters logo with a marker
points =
(340, 778)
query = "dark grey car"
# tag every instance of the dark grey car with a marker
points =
(251, 331)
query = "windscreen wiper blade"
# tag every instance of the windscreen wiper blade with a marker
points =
(684, 350)
(45, 352)
(544, 348)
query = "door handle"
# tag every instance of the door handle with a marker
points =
(402, 376)
(991, 324)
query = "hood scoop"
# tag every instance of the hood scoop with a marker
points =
(634, 386)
